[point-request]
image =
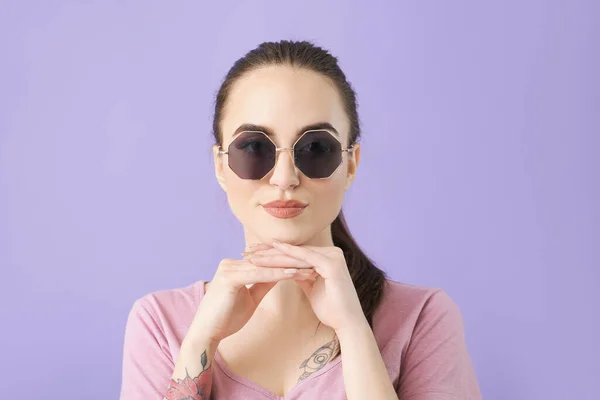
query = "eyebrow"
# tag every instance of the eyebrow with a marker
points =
(270, 132)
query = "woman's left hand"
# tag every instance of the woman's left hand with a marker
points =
(332, 295)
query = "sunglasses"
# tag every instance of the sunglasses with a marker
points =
(317, 154)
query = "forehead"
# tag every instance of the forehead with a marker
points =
(284, 99)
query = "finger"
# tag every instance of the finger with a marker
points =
(263, 251)
(257, 247)
(278, 260)
(305, 254)
(272, 250)
(306, 285)
(241, 275)
(246, 265)
(320, 249)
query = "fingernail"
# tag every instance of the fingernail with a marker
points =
(290, 270)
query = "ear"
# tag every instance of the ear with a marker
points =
(218, 159)
(353, 161)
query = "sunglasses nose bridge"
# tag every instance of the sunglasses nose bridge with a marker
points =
(284, 175)
(282, 150)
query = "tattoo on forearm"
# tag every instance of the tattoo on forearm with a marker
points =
(319, 359)
(189, 388)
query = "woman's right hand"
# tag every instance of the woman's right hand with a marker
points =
(229, 304)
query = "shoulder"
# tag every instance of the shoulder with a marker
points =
(425, 344)
(156, 325)
(168, 304)
(404, 307)
(410, 298)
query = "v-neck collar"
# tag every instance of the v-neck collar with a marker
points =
(252, 385)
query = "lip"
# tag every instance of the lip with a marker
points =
(284, 204)
(284, 208)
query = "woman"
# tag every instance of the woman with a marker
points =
(304, 314)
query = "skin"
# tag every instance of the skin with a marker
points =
(285, 99)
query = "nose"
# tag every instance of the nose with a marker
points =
(284, 174)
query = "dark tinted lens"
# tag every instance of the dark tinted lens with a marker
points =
(251, 155)
(317, 154)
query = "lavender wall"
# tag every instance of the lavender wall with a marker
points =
(486, 112)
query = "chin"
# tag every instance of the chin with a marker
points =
(291, 236)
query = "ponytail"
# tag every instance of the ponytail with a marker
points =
(367, 278)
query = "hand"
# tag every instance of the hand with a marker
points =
(332, 295)
(229, 304)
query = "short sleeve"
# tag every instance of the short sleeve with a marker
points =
(436, 365)
(147, 363)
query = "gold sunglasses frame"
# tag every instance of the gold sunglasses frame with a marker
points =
(280, 149)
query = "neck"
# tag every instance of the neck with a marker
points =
(286, 303)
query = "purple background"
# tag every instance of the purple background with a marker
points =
(479, 172)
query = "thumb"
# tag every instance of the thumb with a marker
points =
(260, 289)
(306, 285)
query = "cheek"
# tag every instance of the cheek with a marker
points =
(329, 196)
(240, 193)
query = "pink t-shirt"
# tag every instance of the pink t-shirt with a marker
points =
(419, 332)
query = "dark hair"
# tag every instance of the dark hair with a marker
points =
(367, 278)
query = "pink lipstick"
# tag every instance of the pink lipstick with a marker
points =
(284, 208)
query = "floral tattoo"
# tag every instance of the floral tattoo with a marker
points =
(189, 388)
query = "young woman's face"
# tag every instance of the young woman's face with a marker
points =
(284, 100)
